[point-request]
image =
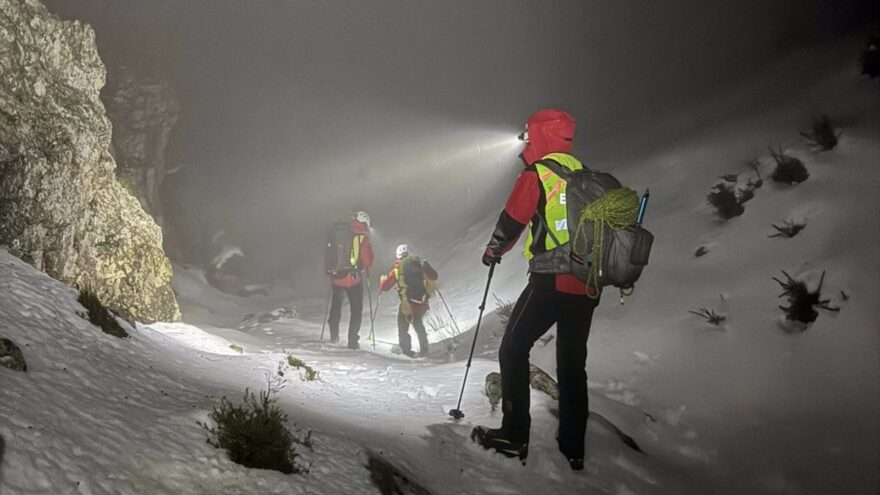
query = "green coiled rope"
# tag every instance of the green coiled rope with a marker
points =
(617, 209)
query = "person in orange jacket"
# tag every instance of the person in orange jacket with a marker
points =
(349, 282)
(415, 281)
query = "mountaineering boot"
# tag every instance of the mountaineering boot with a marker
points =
(409, 353)
(576, 463)
(497, 439)
(355, 346)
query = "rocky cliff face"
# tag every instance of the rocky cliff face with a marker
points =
(61, 206)
(144, 110)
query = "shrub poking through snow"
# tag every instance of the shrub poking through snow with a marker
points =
(701, 251)
(11, 356)
(253, 433)
(801, 300)
(437, 322)
(789, 170)
(822, 135)
(724, 198)
(309, 373)
(757, 181)
(789, 229)
(710, 316)
(99, 315)
(504, 309)
(871, 57)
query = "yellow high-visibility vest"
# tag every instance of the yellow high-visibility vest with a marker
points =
(555, 210)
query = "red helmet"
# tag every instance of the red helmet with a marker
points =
(548, 131)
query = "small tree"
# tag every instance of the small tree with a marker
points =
(789, 170)
(801, 300)
(253, 433)
(822, 135)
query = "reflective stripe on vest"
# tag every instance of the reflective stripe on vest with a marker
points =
(555, 209)
(356, 249)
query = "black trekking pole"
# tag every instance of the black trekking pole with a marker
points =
(456, 413)
(370, 300)
(458, 330)
(327, 313)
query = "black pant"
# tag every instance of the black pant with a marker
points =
(536, 310)
(403, 322)
(356, 302)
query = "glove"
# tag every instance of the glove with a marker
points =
(491, 257)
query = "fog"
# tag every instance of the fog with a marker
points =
(295, 113)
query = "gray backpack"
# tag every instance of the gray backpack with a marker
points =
(625, 251)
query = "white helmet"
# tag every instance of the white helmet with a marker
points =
(362, 217)
(402, 251)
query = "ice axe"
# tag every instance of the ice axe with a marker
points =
(457, 412)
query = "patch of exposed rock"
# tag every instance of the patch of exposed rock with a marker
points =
(144, 111)
(11, 356)
(61, 206)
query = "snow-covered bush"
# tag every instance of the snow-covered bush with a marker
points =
(789, 229)
(253, 433)
(723, 197)
(871, 57)
(710, 316)
(99, 315)
(789, 170)
(801, 300)
(11, 356)
(822, 135)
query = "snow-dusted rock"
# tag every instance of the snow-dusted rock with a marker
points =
(11, 356)
(61, 207)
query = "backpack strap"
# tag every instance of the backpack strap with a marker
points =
(546, 229)
(557, 168)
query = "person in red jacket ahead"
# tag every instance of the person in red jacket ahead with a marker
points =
(415, 280)
(350, 282)
(551, 296)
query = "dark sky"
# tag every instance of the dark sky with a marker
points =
(295, 112)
